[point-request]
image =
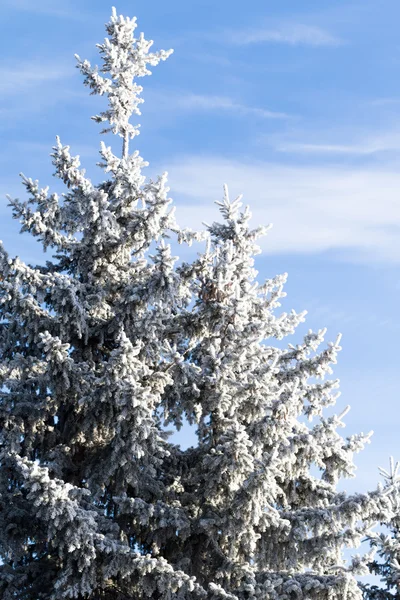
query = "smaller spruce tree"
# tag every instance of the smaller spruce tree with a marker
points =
(386, 543)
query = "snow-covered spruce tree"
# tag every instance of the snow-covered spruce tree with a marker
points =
(386, 566)
(110, 340)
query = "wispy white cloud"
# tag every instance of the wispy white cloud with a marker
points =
(45, 149)
(45, 7)
(389, 101)
(354, 212)
(363, 147)
(43, 83)
(23, 76)
(213, 58)
(332, 317)
(302, 148)
(199, 102)
(292, 34)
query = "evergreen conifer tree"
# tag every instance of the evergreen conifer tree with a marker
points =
(112, 339)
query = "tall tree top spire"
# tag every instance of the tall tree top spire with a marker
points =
(125, 58)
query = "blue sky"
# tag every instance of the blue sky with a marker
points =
(295, 105)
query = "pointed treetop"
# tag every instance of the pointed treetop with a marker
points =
(125, 57)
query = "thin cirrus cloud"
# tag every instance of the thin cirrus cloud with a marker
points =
(46, 84)
(353, 212)
(30, 74)
(45, 7)
(299, 148)
(199, 102)
(368, 146)
(291, 34)
(389, 101)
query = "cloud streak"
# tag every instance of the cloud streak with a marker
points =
(384, 101)
(27, 75)
(364, 147)
(43, 83)
(290, 34)
(353, 212)
(198, 102)
(45, 7)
